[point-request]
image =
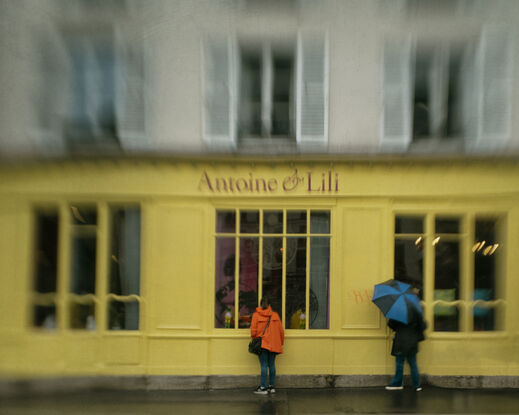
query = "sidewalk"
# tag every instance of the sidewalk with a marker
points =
(286, 401)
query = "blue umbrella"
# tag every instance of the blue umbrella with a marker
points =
(397, 301)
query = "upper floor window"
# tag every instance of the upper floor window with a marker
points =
(91, 92)
(91, 96)
(451, 89)
(437, 93)
(267, 91)
(271, 90)
(282, 253)
(460, 257)
(69, 290)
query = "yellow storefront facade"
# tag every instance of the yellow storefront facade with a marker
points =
(129, 267)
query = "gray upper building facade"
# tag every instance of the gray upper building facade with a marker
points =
(337, 77)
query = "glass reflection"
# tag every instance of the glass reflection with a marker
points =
(224, 282)
(248, 295)
(296, 283)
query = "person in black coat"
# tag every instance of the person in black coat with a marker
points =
(405, 346)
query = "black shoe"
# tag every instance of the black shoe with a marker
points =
(272, 389)
(261, 391)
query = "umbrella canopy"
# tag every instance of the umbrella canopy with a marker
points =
(397, 301)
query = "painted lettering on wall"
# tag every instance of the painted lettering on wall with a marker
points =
(312, 182)
(360, 296)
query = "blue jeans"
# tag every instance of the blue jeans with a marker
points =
(399, 371)
(267, 362)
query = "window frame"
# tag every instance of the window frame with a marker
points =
(63, 298)
(266, 51)
(466, 238)
(260, 235)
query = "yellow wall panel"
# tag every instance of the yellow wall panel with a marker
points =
(122, 350)
(231, 356)
(362, 356)
(175, 296)
(177, 356)
(307, 356)
(361, 265)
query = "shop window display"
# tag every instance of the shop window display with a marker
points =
(277, 256)
(73, 302)
(444, 241)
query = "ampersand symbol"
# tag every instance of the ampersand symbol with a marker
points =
(291, 182)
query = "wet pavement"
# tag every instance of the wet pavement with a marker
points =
(286, 401)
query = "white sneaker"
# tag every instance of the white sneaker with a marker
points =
(394, 388)
(261, 391)
(418, 389)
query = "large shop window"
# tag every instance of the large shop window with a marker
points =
(459, 259)
(281, 253)
(87, 267)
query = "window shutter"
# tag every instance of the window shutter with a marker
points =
(438, 79)
(469, 97)
(51, 99)
(494, 87)
(130, 91)
(312, 92)
(396, 96)
(220, 94)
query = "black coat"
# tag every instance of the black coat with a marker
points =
(407, 336)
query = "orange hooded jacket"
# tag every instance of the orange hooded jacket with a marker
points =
(274, 336)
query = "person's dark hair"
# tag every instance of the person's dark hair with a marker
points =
(265, 302)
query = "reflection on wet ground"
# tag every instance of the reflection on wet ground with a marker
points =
(287, 401)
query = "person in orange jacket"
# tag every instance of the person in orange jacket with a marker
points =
(271, 343)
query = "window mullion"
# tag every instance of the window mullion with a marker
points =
(428, 270)
(307, 293)
(467, 271)
(236, 281)
(102, 286)
(284, 270)
(260, 258)
(64, 266)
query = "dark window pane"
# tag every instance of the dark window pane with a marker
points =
(319, 222)
(82, 316)
(447, 266)
(409, 262)
(446, 317)
(282, 94)
(123, 315)
(484, 317)
(273, 271)
(46, 255)
(296, 221)
(408, 224)
(447, 225)
(249, 253)
(125, 251)
(249, 111)
(45, 316)
(319, 282)
(249, 221)
(273, 221)
(226, 221)
(225, 264)
(83, 265)
(295, 302)
(83, 215)
(446, 284)
(486, 250)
